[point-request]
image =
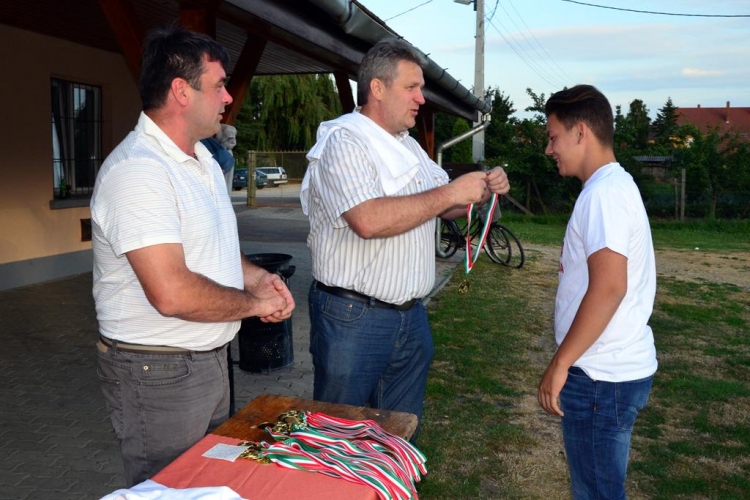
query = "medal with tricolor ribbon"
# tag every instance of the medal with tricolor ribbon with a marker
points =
(471, 258)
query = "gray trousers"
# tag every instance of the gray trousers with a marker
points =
(161, 405)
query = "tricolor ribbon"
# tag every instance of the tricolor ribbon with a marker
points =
(472, 258)
(358, 451)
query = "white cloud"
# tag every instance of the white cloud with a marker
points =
(695, 72)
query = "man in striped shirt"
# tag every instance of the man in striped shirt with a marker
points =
(372, 195)
(170, 282)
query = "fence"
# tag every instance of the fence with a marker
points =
(294, 162)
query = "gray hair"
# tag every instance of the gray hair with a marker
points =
(381, 62)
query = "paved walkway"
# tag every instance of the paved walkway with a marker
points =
(55, 437)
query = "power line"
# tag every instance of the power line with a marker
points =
(489, 18)
(562, 71)
(653, 12)
(407, 11)
(539, 57)
(524, 59)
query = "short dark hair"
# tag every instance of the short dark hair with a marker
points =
(381, 62)
(583, 103)
(174, 52)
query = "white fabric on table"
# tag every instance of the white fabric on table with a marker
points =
(151, 490)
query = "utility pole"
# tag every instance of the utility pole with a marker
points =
(477, 148)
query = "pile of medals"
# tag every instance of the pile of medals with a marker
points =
(358, 451)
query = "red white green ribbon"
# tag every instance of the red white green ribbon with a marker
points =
(472, 258)
(357, 451)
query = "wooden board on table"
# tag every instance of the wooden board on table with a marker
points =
(268, 407)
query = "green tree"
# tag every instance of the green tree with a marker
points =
(444, 124)
(638, 123)
(631, 139)
(462, 150)
(715, 165)
(665, 125)
(624, 144)
(499, 135)
(283, 112)
(738, 165)
(624, 130)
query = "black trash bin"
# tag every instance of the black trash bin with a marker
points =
(267, 346)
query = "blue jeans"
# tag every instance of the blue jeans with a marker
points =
(369, 355)
(597, 425)
(161, 405)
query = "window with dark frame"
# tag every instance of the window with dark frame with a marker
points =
(76, 137)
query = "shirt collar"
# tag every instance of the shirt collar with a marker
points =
(149, 127)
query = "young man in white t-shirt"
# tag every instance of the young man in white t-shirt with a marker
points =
(601, 374)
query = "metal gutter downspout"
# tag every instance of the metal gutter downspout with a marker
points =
(452, 142)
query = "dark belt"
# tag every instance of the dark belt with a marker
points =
(365, 299)
(159, 350)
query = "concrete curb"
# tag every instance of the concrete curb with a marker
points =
(447, 276)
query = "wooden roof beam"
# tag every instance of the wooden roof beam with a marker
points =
(124, 23)
(200, 19)
(242, 75)
(426, 129)
(344, 88)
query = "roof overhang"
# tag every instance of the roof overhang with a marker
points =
(334, 35)
(303, 36)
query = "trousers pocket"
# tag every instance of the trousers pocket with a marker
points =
(344, 310)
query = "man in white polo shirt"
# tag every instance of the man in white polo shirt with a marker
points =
(170, 282)
(372, 195)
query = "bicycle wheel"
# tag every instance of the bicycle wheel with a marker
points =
(517, 255)
(447, 238)
(510, 249)
(497, 245)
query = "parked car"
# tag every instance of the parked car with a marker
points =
(261, 180)
(276, 175)
(239, 181)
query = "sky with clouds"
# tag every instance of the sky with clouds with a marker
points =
(546, 45)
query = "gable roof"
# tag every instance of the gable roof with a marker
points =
(727, 119)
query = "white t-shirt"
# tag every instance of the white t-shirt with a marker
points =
(149, 192)
(609, 213)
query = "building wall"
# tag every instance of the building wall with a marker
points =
(38, 242)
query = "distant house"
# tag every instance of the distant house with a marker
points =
(728, 119)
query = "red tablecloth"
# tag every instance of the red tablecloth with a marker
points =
(253, 480)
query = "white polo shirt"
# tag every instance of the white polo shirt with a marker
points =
(149, 192)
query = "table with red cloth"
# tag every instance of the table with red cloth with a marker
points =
(258, 481)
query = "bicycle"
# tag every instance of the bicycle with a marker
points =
(501, 246)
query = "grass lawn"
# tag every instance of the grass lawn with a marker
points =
(485, 435)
